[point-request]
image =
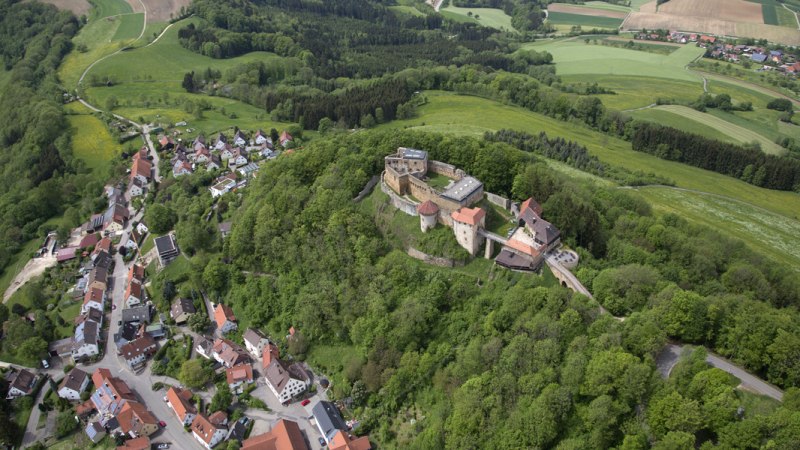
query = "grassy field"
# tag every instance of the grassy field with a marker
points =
(583, 20)
(574, 57)
(91, 142)
(130, 27)
(105, 8)
(408, 10)
(488, 17)
(786, 18)
(770, 14)
(636, 4)
(97, 36)
(604, 5)
(673, 119)
(771, 234)
(636, 92)
(725, 127)
(149, 86)
(466, 115)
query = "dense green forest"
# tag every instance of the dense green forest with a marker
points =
(39, 175)
(495, 359)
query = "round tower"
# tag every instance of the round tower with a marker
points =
(428, 212)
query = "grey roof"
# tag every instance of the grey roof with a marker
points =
(61, 346)
(127, 333)
(165, 245)
(87, 332)
(253, 336)
(546, 233)
(224, 227)
(98, 274)
(136, 314)
(92, 314)
(24, 381)
(462, 189)
(74, 379)
(328, 418)
(412, 153)
(181, 306)
(102, 259)
(513, 260)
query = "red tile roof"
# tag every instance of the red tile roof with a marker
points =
(141, 167)
(531, 203)
(89, 240)
(428, 208)
(177, 398)
(285, 435)
(222, 314)
(140, 443)
(269, 353)
(343, 441)
(136, 272)
(93, 294)
(239, 373)
(203, 428)
(471, 216)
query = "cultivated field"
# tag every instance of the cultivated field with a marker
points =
(588, 21)
(584, 10)
(724, 127)
(78, 7)
(160, 10)
(603, 5)
(727, 10)
(466, 115)
(488, 17)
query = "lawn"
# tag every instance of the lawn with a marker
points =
(636, 4)
(575, 57)
(715, 122)
(97, 38)
(130, 27)
(68, 313)
(770, 14)
(438, 182)
(768, 233)
(408, 10)
(584, 21)
(785, 17)
(105, 8)
(488, 17)
(466, 115)
(91, 141)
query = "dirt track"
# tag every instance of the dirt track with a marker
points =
(33, 268)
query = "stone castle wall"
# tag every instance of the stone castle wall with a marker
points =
(433, 260)
(498, 200)
(448, 170)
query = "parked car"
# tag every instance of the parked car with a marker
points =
(321, 441)
(305, 402)
(163, 445)
(162, 424)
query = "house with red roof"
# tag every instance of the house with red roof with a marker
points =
(239, 375)
(180, 401)
(285, 435)
(224, 318)
(207, 432)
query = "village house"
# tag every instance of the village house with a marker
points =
(201, 156)
(86, 341)
(167, 249)
(141, 170)
(104, 245)
(255, 341)
(110, 395)
(166, 142)
(239, 139)
(269, 353)
(285, 139)
(137, 187)
(92, 314)
(138, 314)
(226, 153)
(95, 432)
(286, 380)
(136, 274)
(328, 419)
(140, 443)
(156, 330)
(94, 298)
(285, 435)
(20, 383)
(180, 401)
(198, 143)
(214, 163)
(181, 309)
(114, 219)
(262, 138)
(98, 279)
(222, 187)
(135, 420)
(237, 158)
(207, 432)
(345, 441)
(224, 318)
(134, 294)
(61, 348)
(136, 352)
(73, 384)
(248, 169)
(224, 229)
(229, 354)
(220, 142)
(181, 168)
(238, 375)
(90, 240)
(205, 348)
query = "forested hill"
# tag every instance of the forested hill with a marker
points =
(35, 150)
(485, 358)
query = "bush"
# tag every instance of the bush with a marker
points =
(780, 104)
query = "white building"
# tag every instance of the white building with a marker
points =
(73, 384)
(286, 381)
(222, 188)
(254, 342)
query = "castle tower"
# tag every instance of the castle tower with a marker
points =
(466, 224)
(428, 212)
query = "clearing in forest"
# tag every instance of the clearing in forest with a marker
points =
(488, 17)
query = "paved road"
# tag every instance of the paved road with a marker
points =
(671, 353)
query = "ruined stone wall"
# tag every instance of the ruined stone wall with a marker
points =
(367, 188)
(397, 201)
(448, 170)
(396, 181)
(422, 192)
(498, 200)
(433, 260)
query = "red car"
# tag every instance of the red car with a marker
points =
(162, 424)
(305, 402)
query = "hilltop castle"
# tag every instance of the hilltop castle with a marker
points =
(405, 179)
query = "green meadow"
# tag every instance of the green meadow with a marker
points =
(408, 10)
(488, 17)
(130, 27)
(97, 37)
(106, 8)
(91, 141)
(560, 18)
(603, 5)
(669, 118)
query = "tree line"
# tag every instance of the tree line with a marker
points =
(748, 164)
